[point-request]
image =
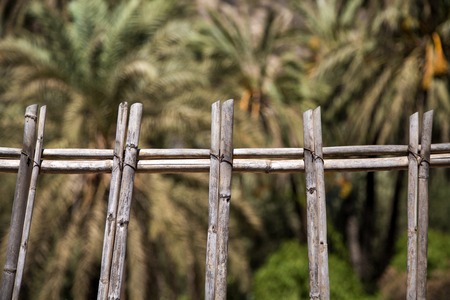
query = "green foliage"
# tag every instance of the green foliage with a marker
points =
(438, 254)
(285, 276)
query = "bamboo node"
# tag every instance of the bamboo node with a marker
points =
(10, 270)
(311, 190)
(212, 155)
(123, 223)
(227, 197)
(31, 116)
(268, 168)
(412, 232)
(132, 146)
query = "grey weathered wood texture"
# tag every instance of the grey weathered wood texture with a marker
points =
(30, 203)
(422, 205)
(225, 172)
(213, 203)
(324, 282)
(413, 169)
(316, 207)
(20, 202)
(124, 205)
(311, 207)
(113, 199)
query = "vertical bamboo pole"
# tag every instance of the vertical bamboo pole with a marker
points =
(226, 168)
(20, 201)
(124, 206)
(311, 208)
(30, 203)
(422, 220)
(110, 226)
(211, 246)
(324, 282)
(411, 279)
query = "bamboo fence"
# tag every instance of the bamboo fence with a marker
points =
(221, 160)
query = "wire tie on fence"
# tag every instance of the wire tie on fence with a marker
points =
(133, 167)
(28, 157)
(306, 149)
(216, 156)
(316, 157)
(416, 155)
(224, 159)
(120, 164)
(422, 159)
(36, 164)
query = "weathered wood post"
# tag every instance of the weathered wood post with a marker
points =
(124, 205)
(422, 205)
(418, 174)
(316, 207)
(20, 202)
(226, 169)
(113, 199)
(213, 203)
(30, 203)
(413, 155)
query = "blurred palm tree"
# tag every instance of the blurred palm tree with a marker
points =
(247, 49)
(82, 66)
(371, 65)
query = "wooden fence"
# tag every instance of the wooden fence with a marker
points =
(221, 160)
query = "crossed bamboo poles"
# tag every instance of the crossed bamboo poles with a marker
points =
(220, 160)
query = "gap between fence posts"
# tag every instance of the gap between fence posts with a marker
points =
(225, 172)
(213, 202)
(124, 205)
(30, 203)
(113, 199)
(20, 202)
(316, 208)
(422, 205)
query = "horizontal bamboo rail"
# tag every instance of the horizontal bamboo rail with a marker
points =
(328, 152)
(239, 165)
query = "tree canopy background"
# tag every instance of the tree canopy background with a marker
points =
(369, 64)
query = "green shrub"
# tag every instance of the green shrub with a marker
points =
(285, 276)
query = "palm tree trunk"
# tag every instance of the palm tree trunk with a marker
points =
(367, 228)
(389, 244)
